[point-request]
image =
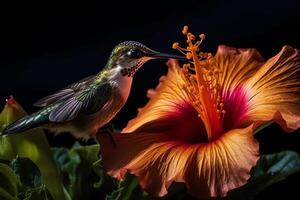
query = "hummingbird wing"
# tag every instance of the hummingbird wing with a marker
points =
(86, 101)
(63, 94)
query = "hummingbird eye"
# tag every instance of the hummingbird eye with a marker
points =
(135, 53)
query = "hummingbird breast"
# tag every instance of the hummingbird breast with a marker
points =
(106, 114)
(122, 87)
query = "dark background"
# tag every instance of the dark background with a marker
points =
(48, 44)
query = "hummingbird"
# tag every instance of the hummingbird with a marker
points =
(83, 107)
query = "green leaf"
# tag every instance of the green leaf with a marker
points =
(81, 177)
(269, 170)
(10, 182)
(31, 144)
(5, 195)
(67, 195)
(103, 177)
(115, 195)
(28, 172)
(21, 179)
(39, 193)
(88, 154)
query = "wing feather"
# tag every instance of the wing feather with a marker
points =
(86, 101)
(65, 93)
(67, 111)
(58, 96)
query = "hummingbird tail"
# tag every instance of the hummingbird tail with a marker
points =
(23, 124)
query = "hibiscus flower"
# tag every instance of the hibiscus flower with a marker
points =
(198, 126)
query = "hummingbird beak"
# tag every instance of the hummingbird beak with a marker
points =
(158, 55)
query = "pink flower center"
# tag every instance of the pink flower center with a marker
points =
(187, 126)
(235, 104)
(181, 124)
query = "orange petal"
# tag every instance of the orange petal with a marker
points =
(274, 90)
(166, 98)
(207, 169)
(237, 65)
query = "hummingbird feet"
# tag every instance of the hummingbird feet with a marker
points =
(108, 129)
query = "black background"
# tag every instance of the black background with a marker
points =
(46, 45)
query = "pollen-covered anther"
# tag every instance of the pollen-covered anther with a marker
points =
(175, 45)
(191, 37)
(202, 36)
(223, 114)
(185, 30)
(221, 105)
(189, 55)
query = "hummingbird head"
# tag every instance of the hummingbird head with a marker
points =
(129, 56)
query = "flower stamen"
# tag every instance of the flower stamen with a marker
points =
(203, 84)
